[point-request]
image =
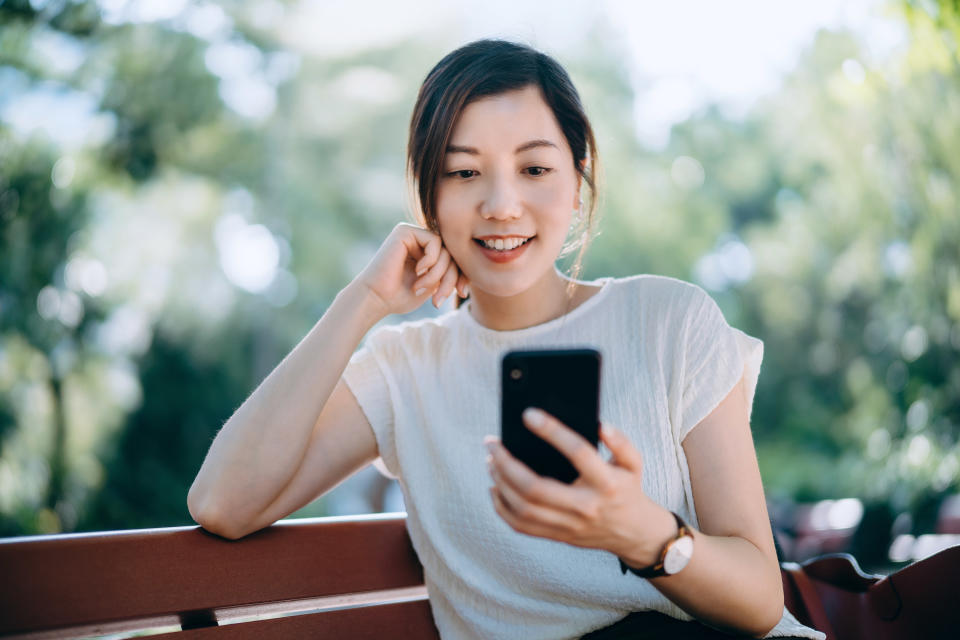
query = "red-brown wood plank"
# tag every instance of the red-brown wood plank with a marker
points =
(74, 579)
(407, 620)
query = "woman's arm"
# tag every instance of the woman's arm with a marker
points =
(259, 450)
(301, 431)
(733, 579)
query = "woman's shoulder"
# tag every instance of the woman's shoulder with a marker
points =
(665, 307)
(660, 293)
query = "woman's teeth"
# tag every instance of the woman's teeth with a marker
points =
(503, 245)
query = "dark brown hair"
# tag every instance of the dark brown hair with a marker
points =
(486, 68)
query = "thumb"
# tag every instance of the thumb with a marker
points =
(624, 453)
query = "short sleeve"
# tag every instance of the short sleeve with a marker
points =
(367, 376)
(714, 356)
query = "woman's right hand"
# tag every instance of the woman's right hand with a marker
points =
(411, 260)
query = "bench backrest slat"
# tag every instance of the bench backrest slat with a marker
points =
(81, 579)
(408, 620)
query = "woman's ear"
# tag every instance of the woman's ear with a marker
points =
(577, 199)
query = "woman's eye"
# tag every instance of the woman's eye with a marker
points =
(537, 171)
(463, 173)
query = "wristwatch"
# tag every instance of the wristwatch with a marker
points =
(674, 557)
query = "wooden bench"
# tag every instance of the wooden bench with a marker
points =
(344, 577)
(355, 577)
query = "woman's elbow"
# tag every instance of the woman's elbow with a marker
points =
(215, 526)
(772, 611)
(224, 533)
(210, 521)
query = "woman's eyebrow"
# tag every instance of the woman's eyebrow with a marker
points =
(533, 144)
(526, 146)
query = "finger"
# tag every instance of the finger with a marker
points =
(522, 481)
(431, 252)
(423, 245)
(517, 523)
(463, 285)
(624, 453)
(447, 284)
(533, 512)
(584, 457)
(431, 278)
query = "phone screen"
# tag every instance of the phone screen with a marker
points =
(566, 384)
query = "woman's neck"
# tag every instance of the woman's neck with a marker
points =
(548, 299)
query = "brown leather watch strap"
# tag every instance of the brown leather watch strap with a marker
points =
(656, 570)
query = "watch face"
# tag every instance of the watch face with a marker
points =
(678, 555)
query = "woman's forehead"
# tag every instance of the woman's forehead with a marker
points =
(511, 120)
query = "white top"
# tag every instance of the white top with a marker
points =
(430, 389)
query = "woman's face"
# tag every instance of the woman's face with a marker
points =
(508, 176)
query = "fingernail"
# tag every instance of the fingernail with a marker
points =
(490, 447)
(422, 271)
(420, 291)
(534, 417)
(466, 291)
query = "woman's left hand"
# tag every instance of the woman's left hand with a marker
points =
(605, 508)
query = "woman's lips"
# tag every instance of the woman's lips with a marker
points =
(504, 256)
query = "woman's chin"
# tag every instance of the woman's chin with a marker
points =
(501, 287)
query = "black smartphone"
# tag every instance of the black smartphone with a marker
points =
(563, 382)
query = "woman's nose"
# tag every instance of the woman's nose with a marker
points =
(501, 201)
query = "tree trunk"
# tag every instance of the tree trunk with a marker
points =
(58, 455)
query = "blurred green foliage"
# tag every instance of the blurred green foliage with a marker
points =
(826, 221)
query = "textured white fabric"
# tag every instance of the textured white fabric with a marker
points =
(430, 389)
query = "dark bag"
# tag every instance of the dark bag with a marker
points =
(921, 601)
(653, 625)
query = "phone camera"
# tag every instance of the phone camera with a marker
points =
(516, 374)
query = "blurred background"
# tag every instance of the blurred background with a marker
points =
(185, 186)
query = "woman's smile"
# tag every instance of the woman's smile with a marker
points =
(500, 250)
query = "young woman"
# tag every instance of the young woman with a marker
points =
(672, 524)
